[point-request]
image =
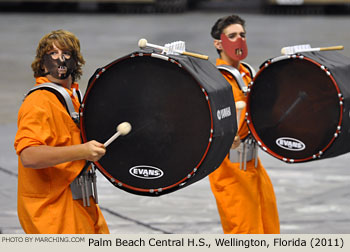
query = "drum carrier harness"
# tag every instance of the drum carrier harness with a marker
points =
(248, 149)
(84, 185)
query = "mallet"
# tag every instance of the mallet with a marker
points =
(308, 48)
(143, 43)
(122, 130)
(239, 106)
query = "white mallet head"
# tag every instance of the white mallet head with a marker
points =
(240, 105)
(142, 43)
(124, 128)
(283, 51)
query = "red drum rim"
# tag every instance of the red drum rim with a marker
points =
(251, 125)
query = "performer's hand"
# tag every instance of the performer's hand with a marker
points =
(94, 150)
(236, 142)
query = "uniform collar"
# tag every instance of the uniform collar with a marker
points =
(241, 68)
(42, 80)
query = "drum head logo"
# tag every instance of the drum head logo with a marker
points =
(146, 172)
(291, 144)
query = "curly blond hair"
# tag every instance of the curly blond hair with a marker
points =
(64, 40)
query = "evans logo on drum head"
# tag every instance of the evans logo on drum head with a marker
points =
(291, 144)
(146, 172)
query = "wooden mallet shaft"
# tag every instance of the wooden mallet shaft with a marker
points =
(143, 43)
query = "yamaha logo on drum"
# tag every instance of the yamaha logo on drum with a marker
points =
(146, 172)
(223, 113)
(291, 144)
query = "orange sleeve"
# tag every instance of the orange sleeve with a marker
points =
(34, 127)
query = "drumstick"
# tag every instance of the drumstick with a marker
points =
(122, 130)
(308, 48)
(143, 43)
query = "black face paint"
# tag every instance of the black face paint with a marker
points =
(59, 69)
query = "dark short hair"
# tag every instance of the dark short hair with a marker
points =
(223, 22)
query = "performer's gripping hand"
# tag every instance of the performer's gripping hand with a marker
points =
(94, 150)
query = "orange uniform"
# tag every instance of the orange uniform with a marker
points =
(45, 203)
(245, 199)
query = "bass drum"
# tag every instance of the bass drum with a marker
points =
(298, 106)
(182, 114)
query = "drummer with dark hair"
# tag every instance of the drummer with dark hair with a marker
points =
(243, 191)
(48, 143)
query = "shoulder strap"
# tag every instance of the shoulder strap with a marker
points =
(250, 69)
(62, 95)
(235, 74)
(80, 96)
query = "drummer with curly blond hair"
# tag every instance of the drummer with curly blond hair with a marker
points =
(48, 144)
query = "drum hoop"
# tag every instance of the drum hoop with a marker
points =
(115, 181)
(252, 128)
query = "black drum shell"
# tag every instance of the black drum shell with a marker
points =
(140, 68)
(279, 79)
